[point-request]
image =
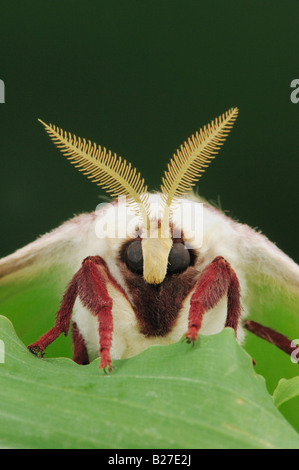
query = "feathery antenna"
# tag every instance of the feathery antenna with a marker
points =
(193, 157)
(111, 172)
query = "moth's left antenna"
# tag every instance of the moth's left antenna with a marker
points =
(106, 169)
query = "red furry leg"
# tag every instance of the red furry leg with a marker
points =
(105, 332)
(233, 302)
(280, 341)
(92, 279)
(80, 355)
(90, 284)
(215, 280)
(63, 318)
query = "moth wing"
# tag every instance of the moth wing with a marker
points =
(272, 294)
(264, 259)
(259, 260)
(34, 278)
(273, 277)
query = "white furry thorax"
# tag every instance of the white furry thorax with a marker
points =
(214, 236)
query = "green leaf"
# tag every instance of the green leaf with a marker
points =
(177, 396)
(286, 390)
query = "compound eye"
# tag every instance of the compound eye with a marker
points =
(134, 258)
(179, 259)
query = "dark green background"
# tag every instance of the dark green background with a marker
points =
(139, 77)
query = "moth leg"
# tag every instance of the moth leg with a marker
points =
(80, 354)
(279, 340)
(92, 280)
(63, 318)
(216, 279)
(90, 284)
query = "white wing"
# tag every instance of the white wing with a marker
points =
(59, 249)
(264, 260)
(261, 260)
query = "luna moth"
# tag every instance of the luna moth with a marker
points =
(150, 267)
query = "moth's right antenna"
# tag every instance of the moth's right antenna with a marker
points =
(192, 158)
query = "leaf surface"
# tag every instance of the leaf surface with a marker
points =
(177, 396)
(286, 390)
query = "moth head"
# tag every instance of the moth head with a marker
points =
(155, 258)
(119, 178)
